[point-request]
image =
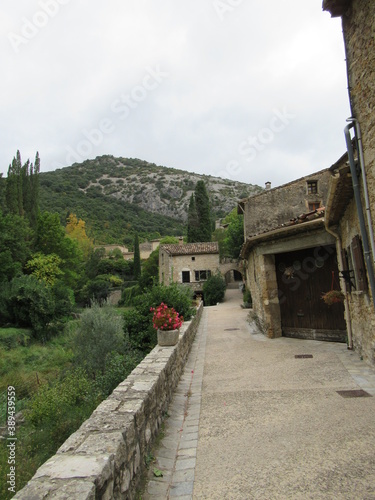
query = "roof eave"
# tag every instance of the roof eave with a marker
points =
(279, 233)
(336, 8)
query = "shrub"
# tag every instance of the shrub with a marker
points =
(100, 332)
(117, 368)
(138, 321)
(11, 338)
(247, 296)
(138, 327)
(128, 295)
(64, 299)
(176, 296)
(97, 290)
(30, 303)
(58, 409)
(214, 289)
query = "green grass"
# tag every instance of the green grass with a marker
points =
(13, 337)
(27, 366)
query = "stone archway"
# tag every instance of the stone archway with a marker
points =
(233, 272)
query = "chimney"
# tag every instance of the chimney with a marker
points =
(268, 185)
(180, 241)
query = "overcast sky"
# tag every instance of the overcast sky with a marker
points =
(250, 90)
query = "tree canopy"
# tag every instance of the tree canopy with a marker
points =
(199, 215)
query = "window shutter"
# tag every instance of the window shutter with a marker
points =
(359, 264)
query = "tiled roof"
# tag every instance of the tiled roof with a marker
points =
(308, 221)
(192, 248)
(300, 219)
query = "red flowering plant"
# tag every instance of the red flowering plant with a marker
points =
(166, 318)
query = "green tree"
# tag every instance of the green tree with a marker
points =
(92, 265)
(22, 188)
(193, 222)
(31, 190)
(30, 303)
(15, 245)
(52, 239)
(150, 271)
(13, 191)
(46, 268)
(199, 215)
(100, 332)
(204, 212)
(2, 193)
(234, 234)
(214, 289)
(137, 258)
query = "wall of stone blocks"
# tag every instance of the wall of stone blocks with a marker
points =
(201, 263)
(361, 309)
(359, 34)
(105, 458)
(274, 207)
(262, 282)
(171, 266)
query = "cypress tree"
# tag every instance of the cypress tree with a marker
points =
(34, 191)
(13, 190)
(203, 210)
(193, 222)
(137, 258)
(22, 189)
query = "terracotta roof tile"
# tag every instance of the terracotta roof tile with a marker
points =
(192, 248)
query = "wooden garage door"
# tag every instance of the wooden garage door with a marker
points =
(302, 277)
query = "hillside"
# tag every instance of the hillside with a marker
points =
(118, 196)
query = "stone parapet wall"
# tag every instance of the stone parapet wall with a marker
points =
(105, 457)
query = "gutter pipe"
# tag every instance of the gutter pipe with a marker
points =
(361, 159)
(358, 201)
(344, 287)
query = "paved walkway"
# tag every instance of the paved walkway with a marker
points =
(249, 420)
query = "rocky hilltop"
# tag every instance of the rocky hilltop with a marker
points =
(135, 185)
(158, 189)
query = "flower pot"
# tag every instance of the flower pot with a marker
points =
(168, 337)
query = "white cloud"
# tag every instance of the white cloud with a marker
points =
(226, 76)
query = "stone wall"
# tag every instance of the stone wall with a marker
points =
(262, 283)
(274, 207)
(105, 457)
(172, 266)
(361, 309)
(359, 34)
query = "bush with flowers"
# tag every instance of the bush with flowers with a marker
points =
(166, 318)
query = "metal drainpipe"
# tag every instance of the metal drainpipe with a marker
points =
(343, 285)
(357, 196)
(365, 188)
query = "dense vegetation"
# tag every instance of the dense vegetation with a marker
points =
(61, 346)
(118, 197)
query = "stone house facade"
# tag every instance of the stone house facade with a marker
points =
(351, 212)
(291, 260)
(190, 264)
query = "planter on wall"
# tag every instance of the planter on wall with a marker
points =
(168, 337)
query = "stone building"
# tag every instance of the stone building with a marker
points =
(291, 260)
(351, 211)
(191, 264)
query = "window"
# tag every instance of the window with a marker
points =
(354, 270)
(314, 206)
(202, 275)
(185, 276)
(359, 264)
(193, 258)
(312, 187)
